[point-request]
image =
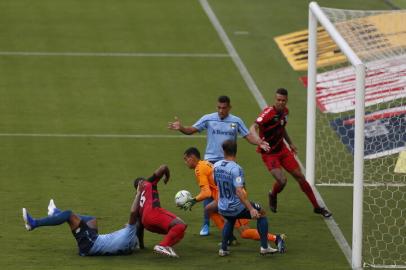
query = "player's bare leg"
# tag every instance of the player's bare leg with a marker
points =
(278, 186)
(307, 189)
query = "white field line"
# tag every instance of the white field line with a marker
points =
(365, 185)
(117, 54)
(234, 55)
(108, 136)
(380, 266)
(331, 224)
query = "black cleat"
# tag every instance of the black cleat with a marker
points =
(323, 211)
(273, 202)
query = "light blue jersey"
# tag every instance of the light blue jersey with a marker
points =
(218, 131)
(119, 242)
(229, 175)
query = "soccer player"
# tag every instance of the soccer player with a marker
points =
(233, 201)
(204, 178)
(85, 231)
(154, 218)
(220, 126)
(271, 125)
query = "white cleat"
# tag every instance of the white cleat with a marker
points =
(163, 251)
(223, 253)
(173, 252)
(27, 220)
(269, 250)
(51, 207)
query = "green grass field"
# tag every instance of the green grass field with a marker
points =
(138, 95)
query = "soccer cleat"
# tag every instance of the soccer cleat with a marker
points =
(323, 211)
(173, 252)
(205, 231)
(51, 207)
(280, 242)
(29, 221)
(162, 251)
(266, 251)
(273, 202)
(223, 253)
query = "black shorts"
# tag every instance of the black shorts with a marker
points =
(245, 214)
(85, 237)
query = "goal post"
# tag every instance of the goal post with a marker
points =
(367, 49)
(317, 15)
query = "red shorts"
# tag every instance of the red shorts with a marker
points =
(283, 158)
(157, 220)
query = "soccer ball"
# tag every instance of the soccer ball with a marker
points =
(182, 197)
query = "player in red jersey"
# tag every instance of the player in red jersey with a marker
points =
(271, 126)
(153, 217)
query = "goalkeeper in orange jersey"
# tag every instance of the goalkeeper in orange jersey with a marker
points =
(208, 188)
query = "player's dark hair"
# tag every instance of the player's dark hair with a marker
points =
(192, 151)
(282, 91)
(230, 148)
(137, 181)
(224, 99)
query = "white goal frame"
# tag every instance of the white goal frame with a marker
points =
(316, 15)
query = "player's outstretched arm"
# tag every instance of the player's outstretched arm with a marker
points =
(135, 208)
(163, 171)
(177, 125)
(254, 138)
(140, 234)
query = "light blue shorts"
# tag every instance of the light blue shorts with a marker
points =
(119, 242)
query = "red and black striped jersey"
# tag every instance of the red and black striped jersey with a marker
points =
(149, 194)
(271, 125)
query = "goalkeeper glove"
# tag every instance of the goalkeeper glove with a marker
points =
(189, 204)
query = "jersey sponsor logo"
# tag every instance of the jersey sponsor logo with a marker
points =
(220, 132)
(384, 132)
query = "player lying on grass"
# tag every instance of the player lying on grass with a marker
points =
(154, 218)
(233, 203)
(85, 231)
(204, 178)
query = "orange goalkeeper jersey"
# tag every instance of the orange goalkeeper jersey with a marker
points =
(205, 180)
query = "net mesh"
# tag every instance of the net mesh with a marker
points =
(379, 39)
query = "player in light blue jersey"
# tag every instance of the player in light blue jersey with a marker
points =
(220, 126)
(85, 231)
(233, 202)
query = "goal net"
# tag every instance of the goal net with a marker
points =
(376, 40)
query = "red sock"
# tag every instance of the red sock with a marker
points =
(276, 188)
(174, 235)
(306, 188)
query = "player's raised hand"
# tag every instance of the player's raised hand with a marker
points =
(175, 125)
